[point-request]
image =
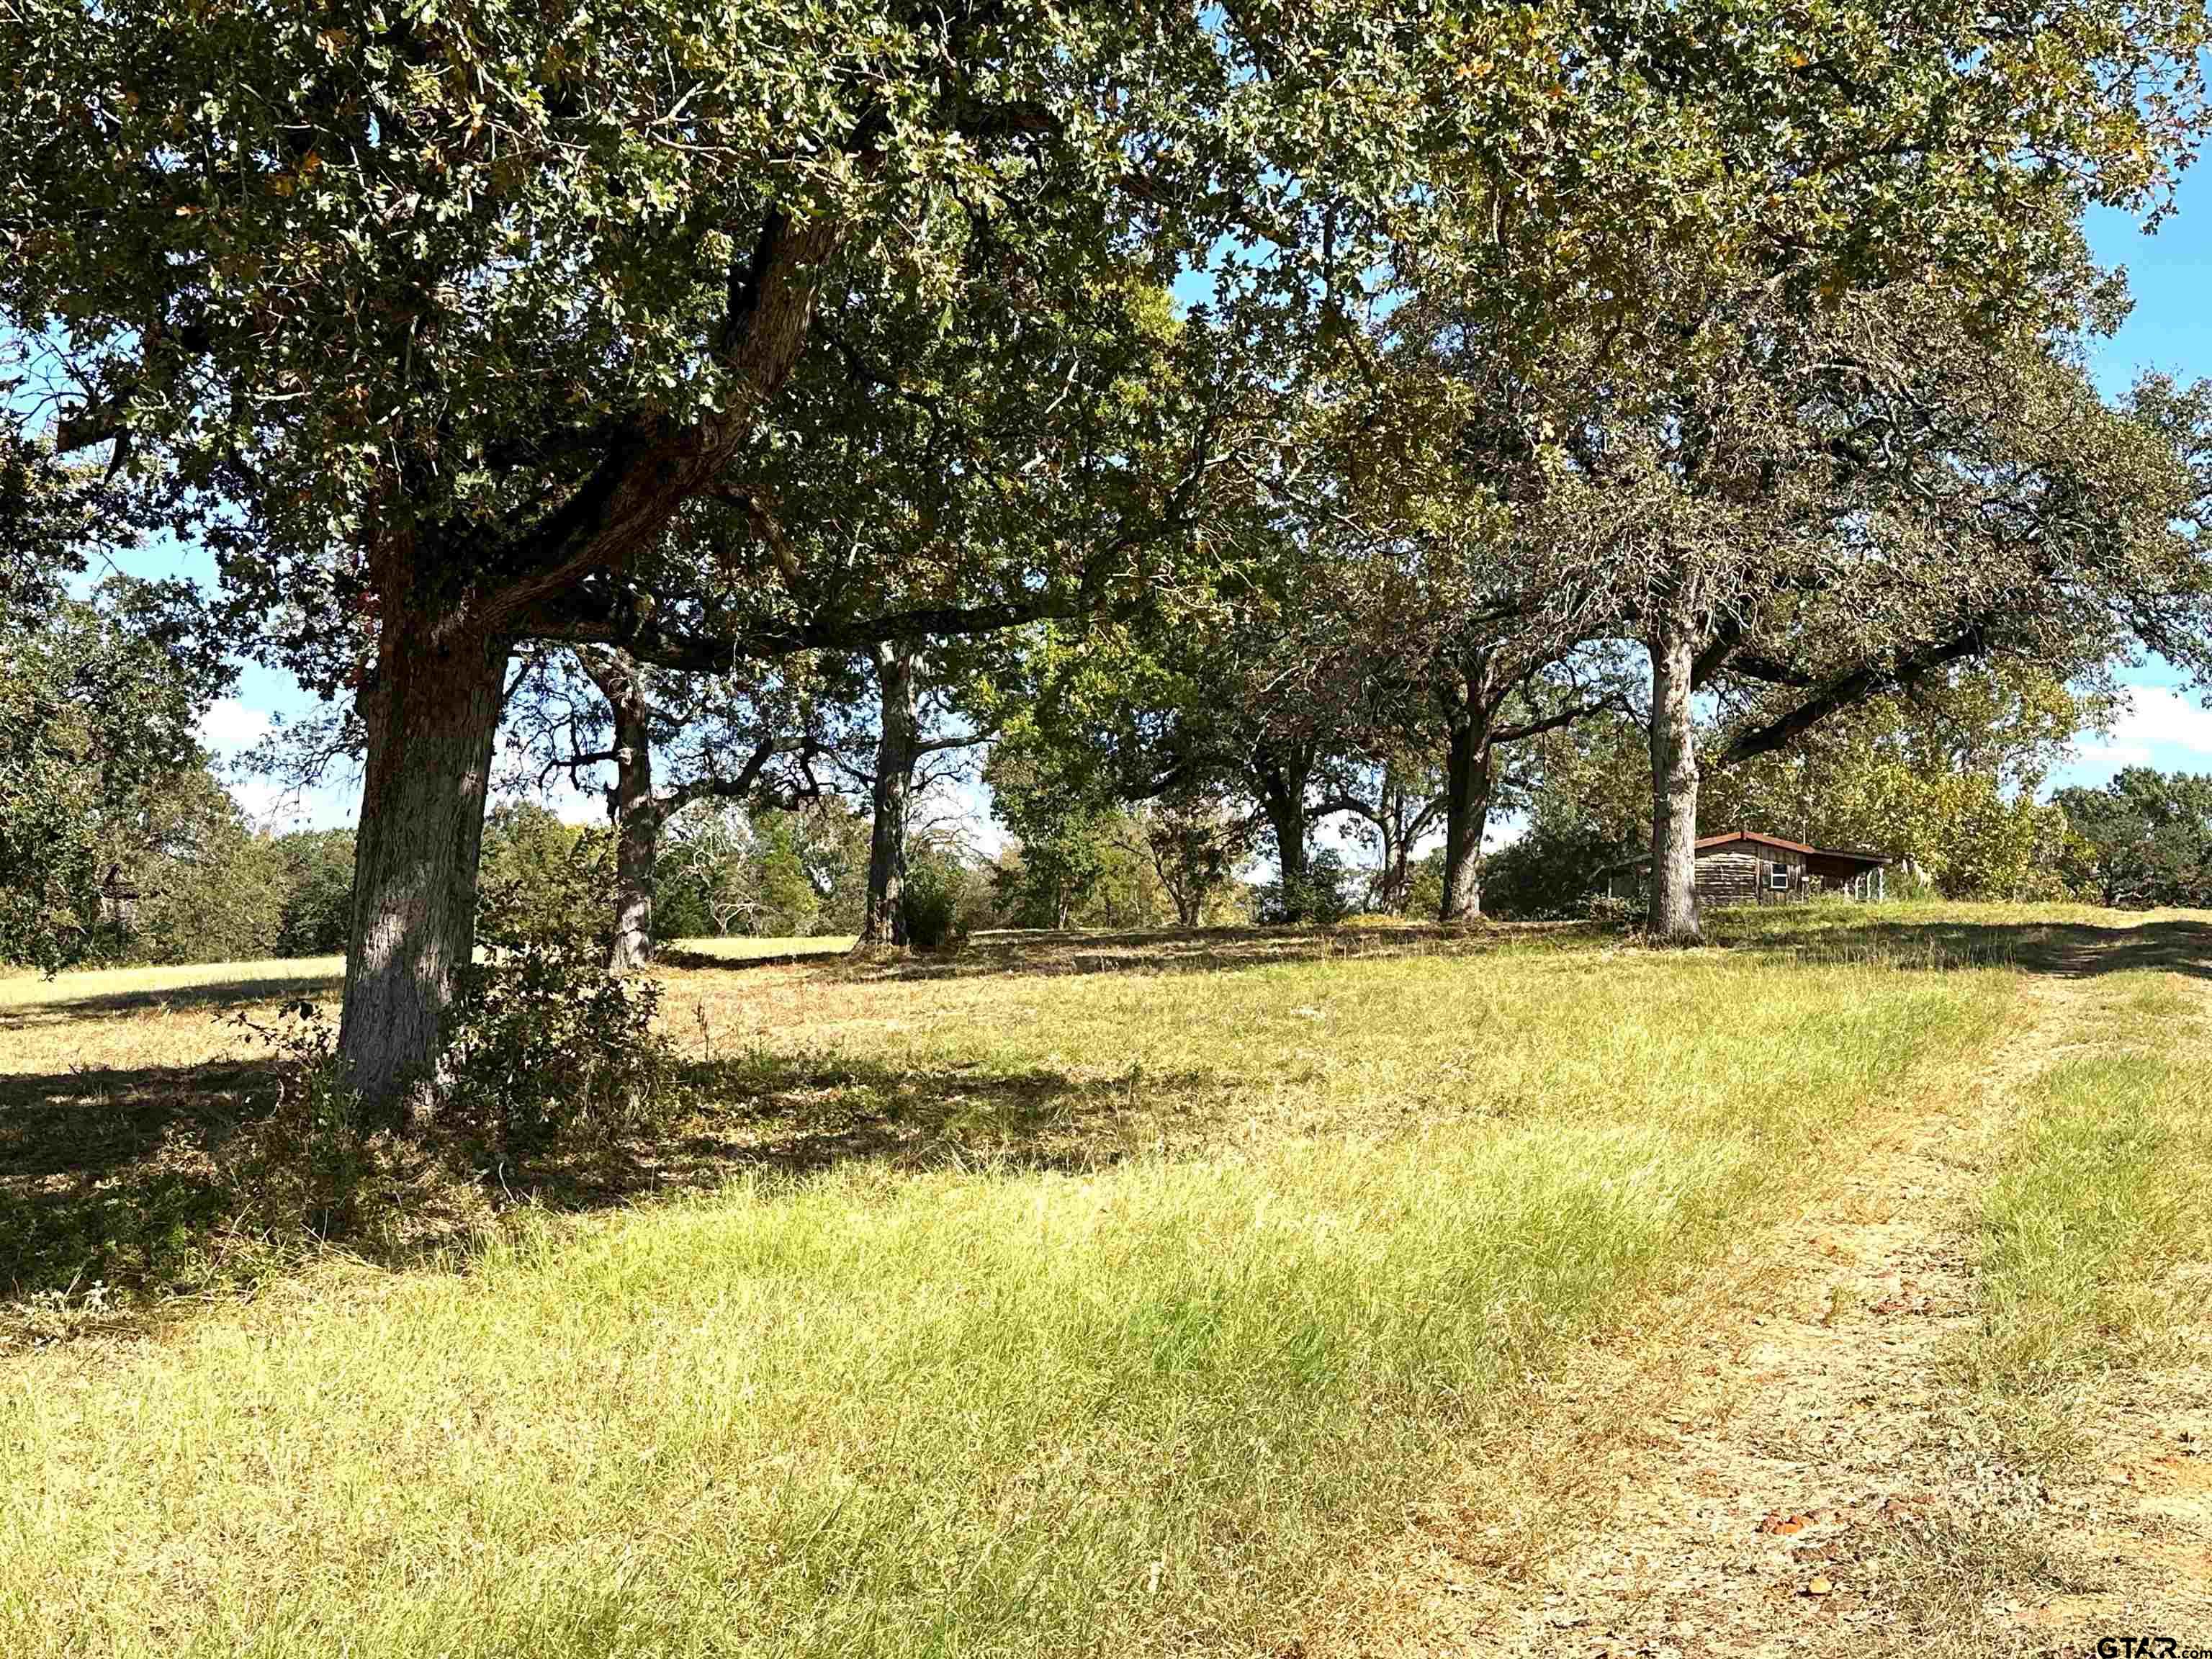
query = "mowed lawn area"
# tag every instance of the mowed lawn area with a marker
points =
(1078, 1295)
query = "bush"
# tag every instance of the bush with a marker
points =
(318, 901)
(534, 870)
(1548, 872)
(306, 1162)
(1611, 910)
(544, 1039)
(1425, 886)
(934, 906)
(1318, 899)
(210, 889)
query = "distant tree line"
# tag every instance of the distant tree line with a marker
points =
(2143, 841)
(1947, 781)
(727, 871)
(187, 879)
(1947, 785)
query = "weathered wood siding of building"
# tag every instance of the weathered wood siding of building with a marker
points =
(1747, 869)
(1744, 875)
(1728, 878)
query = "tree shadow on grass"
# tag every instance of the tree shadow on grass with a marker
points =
(2070, 949)
(1012, 953)
(787, 1117)
(145, 1178)
(167, 1179)
(117, 1178)
(2061, 949)
(247, 991)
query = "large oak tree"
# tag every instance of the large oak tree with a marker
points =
(448, 316)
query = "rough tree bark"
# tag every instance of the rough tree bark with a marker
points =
(1184, 882)
(1470, 700)
(1282, 798)
(1674, 915)
(898, 744)
(1396, 873)
(1187, 900)
(431, 707)
(1467, 816)
(637, 815)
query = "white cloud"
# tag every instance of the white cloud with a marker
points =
(261, 800)
(229, 726)
(574, 805)
(2162, 728)
(269, 805)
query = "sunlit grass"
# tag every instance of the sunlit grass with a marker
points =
(1121, 1307)
(20, 989)
(752, 950)
(2097, 1233)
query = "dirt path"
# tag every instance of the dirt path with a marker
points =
(1782, 1464)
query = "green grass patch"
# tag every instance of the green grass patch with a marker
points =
(1152, 1395)
(2100, 1200)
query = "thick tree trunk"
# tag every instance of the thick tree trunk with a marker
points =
(898, 746)
(635, 815)
(1397, 877)
(1393, 829)
(432, 708)
(1467, 818)
(1673, 786)
(432, 711)
(1282, 797)
(638, 817)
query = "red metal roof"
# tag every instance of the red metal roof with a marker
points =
(1706, 843)
(1764, 840)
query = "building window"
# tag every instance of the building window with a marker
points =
(1778, 877)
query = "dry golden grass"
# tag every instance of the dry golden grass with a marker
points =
(760, 949)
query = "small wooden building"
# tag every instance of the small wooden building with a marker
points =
(118, 903)
(1745, 866)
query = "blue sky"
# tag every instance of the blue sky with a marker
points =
(2170, 328)
(2170, 276)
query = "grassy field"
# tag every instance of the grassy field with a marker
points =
(2097, 1234)
(1077, 1296)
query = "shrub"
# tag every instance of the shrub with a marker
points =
(936, 918)
(211, 890)
(304, 1164)
(544, 1039)
(1549, 873)
(1611, 910)
(1318, 898)
(318, 900)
